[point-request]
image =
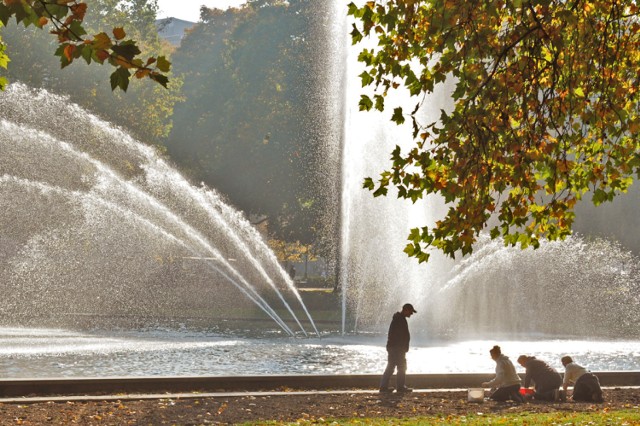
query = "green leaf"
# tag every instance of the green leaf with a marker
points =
(397, 116)
(5, 14)
(599, 197)
(127, 50)
(379, 102)
(365, 57)
(411, 77)
(365, 103)
(21, 13)
(495, 233)
(160, 78)
(163, 64)
(366, 78)
(410, 250)
(77, 28)
(368, 184)
(58, 11)
(87, 53)
(4, 59)
(414, 235)
(461, 90)
(356, 35)
(120, 78)
(351, 9)
(423, 257)
(381, 191)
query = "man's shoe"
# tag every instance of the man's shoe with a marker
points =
(517, 397)
(386, 390)
(404, 389)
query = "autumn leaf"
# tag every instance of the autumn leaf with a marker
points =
(141, 73)
(102, 55)
(531, 121)
(101, 41)
(66, 17)
(79, 11)
(68, 51)
(119, 33)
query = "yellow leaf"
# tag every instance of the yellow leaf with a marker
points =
(102, 41)
(579, 92)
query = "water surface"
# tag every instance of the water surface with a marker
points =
(39, 353)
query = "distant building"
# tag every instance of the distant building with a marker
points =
(173, 29)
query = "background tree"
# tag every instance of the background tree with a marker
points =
(145, 110)
(245, 127)
(545, 110)
(66, 20)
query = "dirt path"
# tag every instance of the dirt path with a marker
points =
(290, 407)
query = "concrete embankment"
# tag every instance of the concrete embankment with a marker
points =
(122, 385)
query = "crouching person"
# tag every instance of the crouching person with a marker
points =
(547, 380)
(586, 386)
(507, 381)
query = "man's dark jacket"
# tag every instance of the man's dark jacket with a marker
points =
(545, 377)
(398, 338)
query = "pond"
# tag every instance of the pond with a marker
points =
(40, 353)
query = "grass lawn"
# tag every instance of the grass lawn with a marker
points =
(604, 417)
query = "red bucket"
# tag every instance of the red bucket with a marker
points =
(526, 391)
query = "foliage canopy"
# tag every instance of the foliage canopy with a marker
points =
(545, 110)
(248, 126)
(33, 64)
(66, 18)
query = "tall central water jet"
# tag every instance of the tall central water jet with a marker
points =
(98, 225)
(375, 273)
(512, 292)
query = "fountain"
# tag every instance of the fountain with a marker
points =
(112, 264)
(582, 287)
(98, 226)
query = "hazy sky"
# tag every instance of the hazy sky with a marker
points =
(189, 10)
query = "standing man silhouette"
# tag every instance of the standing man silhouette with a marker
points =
(397, 348)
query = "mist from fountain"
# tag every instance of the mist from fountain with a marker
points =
(98, 224)
(579, 287)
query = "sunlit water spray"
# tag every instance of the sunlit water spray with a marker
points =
(74, 193)
(579, 287)
(172, 250)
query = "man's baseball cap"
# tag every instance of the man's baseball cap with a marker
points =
(409, 306)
